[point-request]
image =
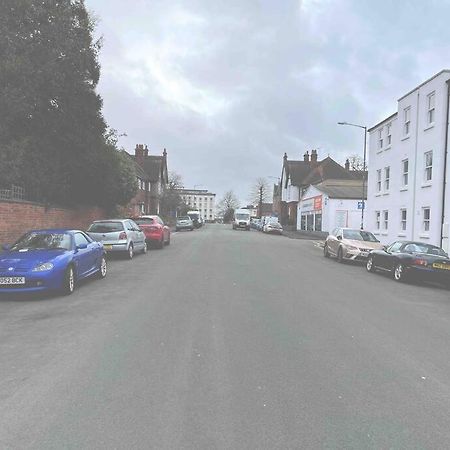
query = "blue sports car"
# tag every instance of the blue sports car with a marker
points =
(50, 260)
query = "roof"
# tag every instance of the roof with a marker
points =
(425, 82)
(140, 172)
(297, 171)
(369, 130)
(343, 189)
(153, 166)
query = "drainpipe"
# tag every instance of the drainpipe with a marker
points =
(415, 169)
(445, 162)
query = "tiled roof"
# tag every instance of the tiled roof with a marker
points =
(344, 189)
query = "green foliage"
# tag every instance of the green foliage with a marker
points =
(52, 134)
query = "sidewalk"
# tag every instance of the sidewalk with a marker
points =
(310, 235)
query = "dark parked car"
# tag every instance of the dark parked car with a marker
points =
(407, 259)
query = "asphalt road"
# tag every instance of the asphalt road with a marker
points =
(228, 340)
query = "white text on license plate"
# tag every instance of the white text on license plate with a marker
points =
(12, 280)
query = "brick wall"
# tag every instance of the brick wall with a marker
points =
(18, 217)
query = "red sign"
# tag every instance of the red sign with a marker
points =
(318, 202)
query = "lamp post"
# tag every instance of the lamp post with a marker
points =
(363, 201)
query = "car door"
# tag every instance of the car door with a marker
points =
(83, 254)
(139, 234)
(386, 257)
(333, 242)
(132, 234)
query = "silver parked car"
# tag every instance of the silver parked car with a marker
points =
(119, 235)
(184, 223)
(273, 226)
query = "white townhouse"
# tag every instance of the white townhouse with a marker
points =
(201, 200)
(406, 194)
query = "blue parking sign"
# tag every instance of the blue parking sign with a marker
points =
(361, 205)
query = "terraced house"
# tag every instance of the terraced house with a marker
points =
(408, 195)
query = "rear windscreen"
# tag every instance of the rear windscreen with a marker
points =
(144, 221)
(106, 227)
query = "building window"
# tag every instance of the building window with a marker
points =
(403, 219)
(377, 220)
(380, 138)
(431, 108)
(428, 165)
(407, 120)
(387, 171)
(379, 180)
(426, 219)
(388, 133)
(405, 170)
(385, 220)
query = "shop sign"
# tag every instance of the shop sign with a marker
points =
(312, 204)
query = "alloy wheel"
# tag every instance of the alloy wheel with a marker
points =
(130, 251)
(103, 267)
(369, 266)
(326, 253)
(399, 272)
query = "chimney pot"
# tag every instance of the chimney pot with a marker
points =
(347, 164)
(306, 157)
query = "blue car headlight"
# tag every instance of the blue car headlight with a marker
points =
(43, 267)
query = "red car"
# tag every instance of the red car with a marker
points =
(156, 233)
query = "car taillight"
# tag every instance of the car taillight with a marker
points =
(123, 235)
(419, 262)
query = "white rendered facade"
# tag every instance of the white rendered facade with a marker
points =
(201, 200)
(407, 151)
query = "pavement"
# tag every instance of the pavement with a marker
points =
(228, 340)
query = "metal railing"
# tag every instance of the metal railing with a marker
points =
(14, 193)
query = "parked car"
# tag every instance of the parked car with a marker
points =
(196, 218)
(184, 223)
(273, 226)
(408, 259)
(54, 259)
(350, 244)
(254, 223)
(157, 234)
(119, 235)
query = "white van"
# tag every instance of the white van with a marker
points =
(241, 219)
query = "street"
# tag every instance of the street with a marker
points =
(229, 340)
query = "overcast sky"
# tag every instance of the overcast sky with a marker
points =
(228, 86)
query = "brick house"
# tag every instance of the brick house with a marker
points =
(298, 175)
(152, 178)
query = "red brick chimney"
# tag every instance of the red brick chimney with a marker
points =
(306, 157)
(313, 158)
(139, 153)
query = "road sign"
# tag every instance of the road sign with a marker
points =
(361, 205)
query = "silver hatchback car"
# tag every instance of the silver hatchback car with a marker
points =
(119, 235)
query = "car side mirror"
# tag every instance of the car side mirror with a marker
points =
(385, 247)
(81, 246)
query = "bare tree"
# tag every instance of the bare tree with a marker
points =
(356, 162)
(260, 191)
(228, 201)
(171, 199)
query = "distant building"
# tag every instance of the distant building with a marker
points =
(297, 176)
(408, 184)
(201, 200)
(330, 204)
(152, 178)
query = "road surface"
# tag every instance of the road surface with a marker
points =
(228, 340)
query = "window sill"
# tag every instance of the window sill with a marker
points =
(378, 194)
(429, 126)
(384, 234)
(402, 234)
(426, 185)
(388, 147)
(379, 151)
(424, 236)
(376, 233)
(403, 189)
(386, 193)
(405, 137)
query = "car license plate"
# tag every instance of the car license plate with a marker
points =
(107, 247)
(12, 280)
(441, 266)
(364, 254)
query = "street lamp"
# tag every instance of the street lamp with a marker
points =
(363, 201)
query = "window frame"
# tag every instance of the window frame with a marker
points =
(428, 169)
(431, 108)
(403, 220)
(407, 121)
(387, 178)
(426, 221)
(405, 173)
(379, 180)
(386, 220)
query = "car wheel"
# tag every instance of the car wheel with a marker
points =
(144, 250)
(399, 272)
(161, 243)
(370, 266)
(168, 241)
(103, 268)
(326, 253)
(69, 281)
(130, 252)
(191, 229)
(340, 255)
(177, 229)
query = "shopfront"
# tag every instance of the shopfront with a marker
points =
(311, 214)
